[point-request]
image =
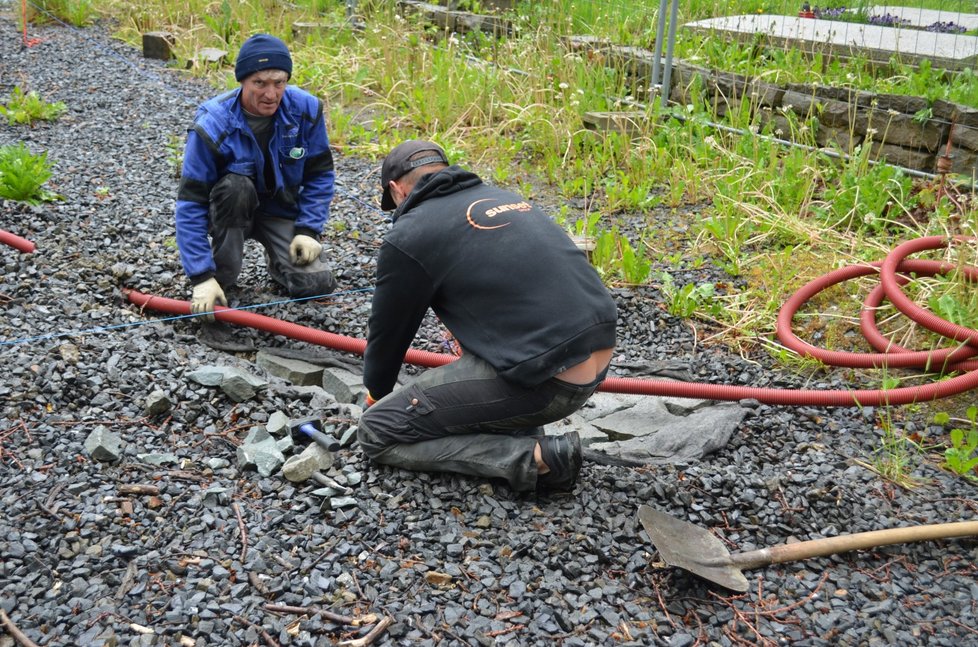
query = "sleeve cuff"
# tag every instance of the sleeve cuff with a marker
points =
(200, 278)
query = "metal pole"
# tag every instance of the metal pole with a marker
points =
(667, 74)
(659, 31)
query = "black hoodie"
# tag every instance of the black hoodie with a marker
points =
(506, 280)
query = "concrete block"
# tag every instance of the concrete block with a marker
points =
(905, 157)
(898, 129)
(158, 45)
(629, 122)
(304, 30)
(838, 138)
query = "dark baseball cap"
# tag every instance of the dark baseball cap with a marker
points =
(398, 163)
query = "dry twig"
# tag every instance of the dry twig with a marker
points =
(6, 433)
(12, 629)
(139, 488)
(310, 611)
(241, 527)
(371, 636)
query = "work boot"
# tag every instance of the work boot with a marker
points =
(562, 454)
(218, 336)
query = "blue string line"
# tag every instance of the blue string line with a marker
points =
(101, 329)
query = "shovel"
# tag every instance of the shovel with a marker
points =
(696, 550)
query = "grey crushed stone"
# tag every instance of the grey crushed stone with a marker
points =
(78, 568)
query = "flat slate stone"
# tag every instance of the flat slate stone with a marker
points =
(343, 385)
(650, 433)
(952, 51)
(295, 371)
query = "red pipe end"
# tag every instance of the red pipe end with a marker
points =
(18, 243)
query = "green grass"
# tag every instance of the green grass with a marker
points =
(513, 107)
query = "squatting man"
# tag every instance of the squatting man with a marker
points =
(534, 321)
(257, 165)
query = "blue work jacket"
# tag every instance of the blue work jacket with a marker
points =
(220, 142)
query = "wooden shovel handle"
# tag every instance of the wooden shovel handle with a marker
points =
(843, 543)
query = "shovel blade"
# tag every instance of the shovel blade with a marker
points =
(687, 546)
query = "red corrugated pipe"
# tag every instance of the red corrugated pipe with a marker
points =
(16, 242)
(895, 357)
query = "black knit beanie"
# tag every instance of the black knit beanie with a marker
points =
(262, 52)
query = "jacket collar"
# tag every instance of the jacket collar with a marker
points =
(433, 185)
(231, 100)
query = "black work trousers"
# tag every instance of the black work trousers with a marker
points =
(234, 218)
(463, 418)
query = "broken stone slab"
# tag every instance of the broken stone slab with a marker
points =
(343, 385)
(212, 55)
(316, 397)
(217, 463)
(237, 384)
(575, 422)
(285, 444)
(240, 386)
(685, 406)
(307, 465)
(338, 502)
(256, 435)
(326, 492)
(650, 434)
(208, 375)
(351, 476)
(672, 370)
(337, 488)
(295, 371)
(104, 445)
(278, 424)
(586, 244)
(603, 404)
(264, 456)
(316, 457)
(157, 403)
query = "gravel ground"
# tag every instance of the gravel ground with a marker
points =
(451, 561)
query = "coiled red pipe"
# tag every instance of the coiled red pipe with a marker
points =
(638, 386)
(15, 241)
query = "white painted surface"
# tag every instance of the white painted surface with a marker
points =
(869, 38)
